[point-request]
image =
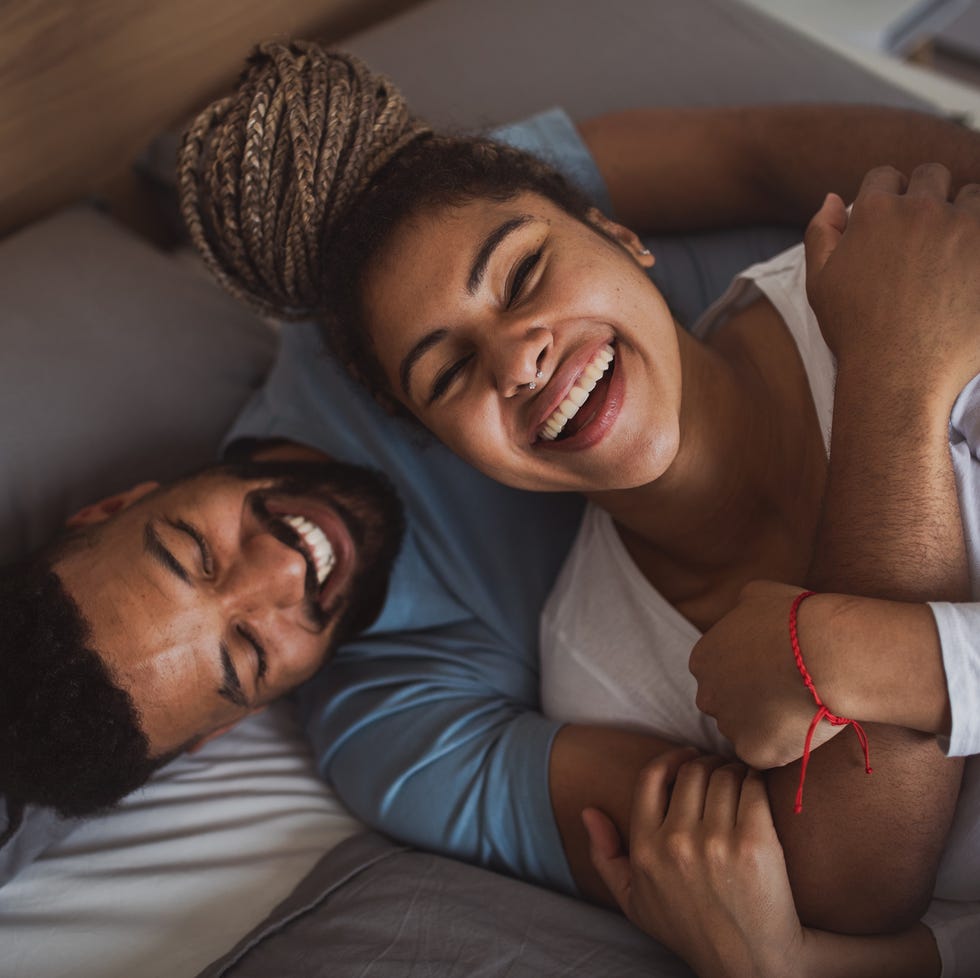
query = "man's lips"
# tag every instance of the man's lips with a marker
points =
(325, 517)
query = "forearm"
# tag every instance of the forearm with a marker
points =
(911, 954)
(861, 653)
(688, 169)
(891, 525)
(862, 854)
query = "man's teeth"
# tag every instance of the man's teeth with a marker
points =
(578, 395)
(317, 545)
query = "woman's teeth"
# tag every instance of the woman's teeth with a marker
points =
(578, 395)
(317, 545)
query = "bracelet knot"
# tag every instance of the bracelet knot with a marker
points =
(822, 712)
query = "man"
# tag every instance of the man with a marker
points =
(166, 614)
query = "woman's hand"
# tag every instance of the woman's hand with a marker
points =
(705, 873)
(876, 661)
(894, 284)
(748, 680)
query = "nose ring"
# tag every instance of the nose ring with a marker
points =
(533, 384)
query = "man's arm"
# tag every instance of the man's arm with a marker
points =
(839, 878)
(681, 169)
(891, 482)
(904, 353)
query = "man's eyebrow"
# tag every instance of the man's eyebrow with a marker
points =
(156, 548)
(231, 688)
(490, 244)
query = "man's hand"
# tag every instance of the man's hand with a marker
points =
(748, 680)
(894, 284)
(705, 873)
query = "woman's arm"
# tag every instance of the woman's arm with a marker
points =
(872, 660)
(682, 169)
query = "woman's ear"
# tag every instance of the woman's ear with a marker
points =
(105, 508)
(622, 235)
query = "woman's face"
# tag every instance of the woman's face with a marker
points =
(535, 347)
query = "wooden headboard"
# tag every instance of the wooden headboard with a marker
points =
(85, 84)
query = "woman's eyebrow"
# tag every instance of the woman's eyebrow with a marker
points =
(486, 250)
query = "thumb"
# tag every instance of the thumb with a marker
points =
(608, 856)
(823, 235)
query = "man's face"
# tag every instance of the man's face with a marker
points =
(213, 596)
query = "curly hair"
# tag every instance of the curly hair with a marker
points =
(70, 737)
(294, 182)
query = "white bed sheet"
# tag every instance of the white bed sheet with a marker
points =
(182, 869)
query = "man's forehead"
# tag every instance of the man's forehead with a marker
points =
(276, 450)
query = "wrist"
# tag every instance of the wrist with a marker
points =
(861, 653)
(916, 399)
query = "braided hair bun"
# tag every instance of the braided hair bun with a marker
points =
(266, 174)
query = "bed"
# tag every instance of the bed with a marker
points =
(122, 361)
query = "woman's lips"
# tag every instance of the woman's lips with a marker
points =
(580, 394)
(602, 409)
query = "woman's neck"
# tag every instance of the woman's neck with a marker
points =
(744, 488)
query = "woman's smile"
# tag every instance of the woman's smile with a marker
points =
(562, 421)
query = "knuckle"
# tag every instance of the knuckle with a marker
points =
(680, 849)
(717, 851)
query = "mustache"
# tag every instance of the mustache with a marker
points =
(370, 509)
(285, 534)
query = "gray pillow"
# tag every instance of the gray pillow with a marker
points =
(371, 909)
(117, 364)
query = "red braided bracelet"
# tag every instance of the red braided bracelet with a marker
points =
(822, 711)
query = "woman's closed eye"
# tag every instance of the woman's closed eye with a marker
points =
(446, 377)
(520, 276)
(518, 280)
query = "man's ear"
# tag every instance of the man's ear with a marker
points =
(208, 737)
(622, 235)
(105, 508)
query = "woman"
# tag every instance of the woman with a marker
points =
(471, 286)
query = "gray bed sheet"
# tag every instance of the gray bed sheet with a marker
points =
(374, 909)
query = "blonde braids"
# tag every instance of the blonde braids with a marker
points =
(266, 175)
